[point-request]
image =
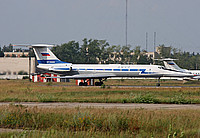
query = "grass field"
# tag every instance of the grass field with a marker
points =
(91, 122)
(24, 91)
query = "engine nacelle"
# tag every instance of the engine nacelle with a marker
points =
(65, 67)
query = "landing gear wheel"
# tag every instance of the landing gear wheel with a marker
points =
(158, 84)
(98, 83)
(83, 84)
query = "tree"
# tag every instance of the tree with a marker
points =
(7, 48)
(13, 55)
(104, 53)
(126, 54)
(111, 56)
(143, 59)
(93, 51)
(68, 52)
(136, 54)
(164, 51)
(1, 53)
(115, 54)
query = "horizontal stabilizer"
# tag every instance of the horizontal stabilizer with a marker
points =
(35, 45)
(166, 59)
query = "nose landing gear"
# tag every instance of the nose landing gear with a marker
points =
(158, 83)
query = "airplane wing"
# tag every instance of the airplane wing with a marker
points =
(86, 76)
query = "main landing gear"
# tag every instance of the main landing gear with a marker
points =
(84, 83)
(100, 82)
(88, 82)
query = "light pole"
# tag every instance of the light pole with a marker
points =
(29, 73)
(126, 34)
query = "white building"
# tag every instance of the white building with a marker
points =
(11, 67)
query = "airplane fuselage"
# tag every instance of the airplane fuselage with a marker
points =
(113, 70)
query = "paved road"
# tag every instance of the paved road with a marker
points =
(105, 105)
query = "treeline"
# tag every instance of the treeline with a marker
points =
(185, 60)
(93, 51)
(99, 51)
(10, 48)
(5, 49)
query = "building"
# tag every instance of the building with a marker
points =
(13, 68)
(163, 51)
(114, 56)
(16, 54)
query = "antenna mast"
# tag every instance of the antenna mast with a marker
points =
(154, 41)
(126, 34)
(146, 40)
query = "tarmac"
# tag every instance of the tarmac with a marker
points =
(104, 105)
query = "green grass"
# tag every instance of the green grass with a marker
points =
(24, 91)
(92, 122)
(62, 134)
(99, 122)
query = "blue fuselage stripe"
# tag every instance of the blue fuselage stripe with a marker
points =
(61, 68)
(99, 69)
(133, 69)
(108, 69)
(51, 62)
(142, 71)
(90, 69)
(116, 69)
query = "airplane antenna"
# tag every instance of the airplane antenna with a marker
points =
(126, 34)
(154, 41)
(146, 40)
(29, 71)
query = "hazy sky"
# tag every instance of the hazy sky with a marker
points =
(177, 22)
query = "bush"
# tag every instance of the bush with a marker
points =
(145, 99)
(103, 86)
(25, 77)
(22, 72)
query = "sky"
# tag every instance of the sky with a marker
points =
(176, 22)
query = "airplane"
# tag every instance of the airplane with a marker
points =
(170, 64)
(49, 62)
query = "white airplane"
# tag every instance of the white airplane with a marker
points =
(170, 64)
(48, 61)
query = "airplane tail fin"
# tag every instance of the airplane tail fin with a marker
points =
(170, 64)
(44, 55)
